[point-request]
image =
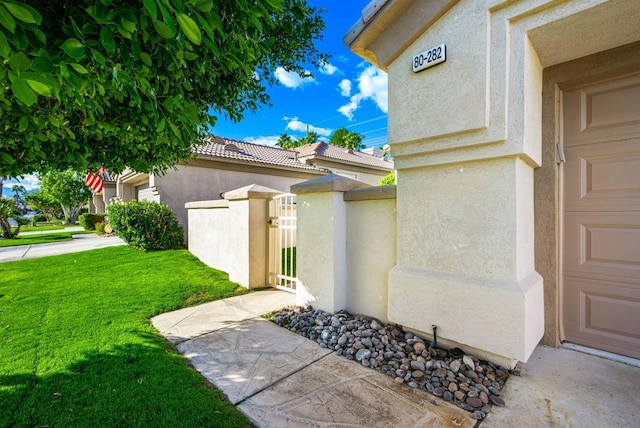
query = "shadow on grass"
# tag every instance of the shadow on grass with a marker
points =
(146, 385)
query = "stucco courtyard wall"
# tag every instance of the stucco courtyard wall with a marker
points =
(231, 234)
(346, 245)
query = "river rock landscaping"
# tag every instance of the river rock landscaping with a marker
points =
(450, 374)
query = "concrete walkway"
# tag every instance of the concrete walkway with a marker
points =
(280, 379)
(77, 244)
(47, 232)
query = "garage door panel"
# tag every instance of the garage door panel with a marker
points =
(607, 320)
(598, 177)
(603, 244)
(603, 112)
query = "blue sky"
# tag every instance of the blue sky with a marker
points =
(347, 92)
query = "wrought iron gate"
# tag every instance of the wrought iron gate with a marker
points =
(282, 242)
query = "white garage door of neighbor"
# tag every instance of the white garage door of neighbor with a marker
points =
(601, 230)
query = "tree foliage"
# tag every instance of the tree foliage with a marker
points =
(118, 83)
(8, 210)
(344, 138)
(287, 142)
(388, 180)
(68, 189)
(43, 202)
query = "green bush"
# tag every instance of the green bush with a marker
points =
(89, 220)
(146, 225)
(39, 218)
(100, 228)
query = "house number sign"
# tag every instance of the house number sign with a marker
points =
(429, 58)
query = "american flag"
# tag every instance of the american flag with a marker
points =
(95, 181)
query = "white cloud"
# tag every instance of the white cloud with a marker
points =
(269, 140)
(372, 85)
(29, 182)
(345, 87)
(328, 69)
(291, 79)
(296, 125)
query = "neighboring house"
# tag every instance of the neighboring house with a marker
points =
(517, 154)
(99, 202)
(222, 165)
(368, 166)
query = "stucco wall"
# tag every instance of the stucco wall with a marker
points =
(371, 251)
(209, 231)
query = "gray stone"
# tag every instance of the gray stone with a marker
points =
(438, 392)
(367, 342)
(417, 365)
(497, 400)
(362, 354)
(440, 372)
(448, 396)
(417, 374)
(455, 366)
(479, 415)
(342, 340)
(474, 402)
(453, 387)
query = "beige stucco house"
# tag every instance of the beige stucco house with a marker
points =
(222, 165)
(517, 152)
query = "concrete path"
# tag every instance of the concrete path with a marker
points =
(77, 244)
(47, 232)
(280, 379)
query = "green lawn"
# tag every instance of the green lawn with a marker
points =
(45, 238)
(77, 348)
(43, 228)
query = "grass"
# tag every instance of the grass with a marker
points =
(40, 239)
(289, 261)
(77, 348)
(42, 228)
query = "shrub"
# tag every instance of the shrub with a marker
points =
(39, 218)
(89, 220)
(146, 225)
(100, 228)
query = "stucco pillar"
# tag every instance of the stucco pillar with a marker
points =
(248, 216)
(322, 241)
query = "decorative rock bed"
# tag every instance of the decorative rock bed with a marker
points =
(464, 380)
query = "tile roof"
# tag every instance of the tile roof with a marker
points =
(340, 153)
(239, 150)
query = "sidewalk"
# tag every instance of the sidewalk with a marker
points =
(46, 232)
(78, 243)
(278, 378)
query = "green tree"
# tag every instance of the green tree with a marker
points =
(286, 142)
(18, 193)
(388, 180)
(344, 138)
(310, 138)
(8, 210)
(68, 189)
(43, 202)
(116, 83)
